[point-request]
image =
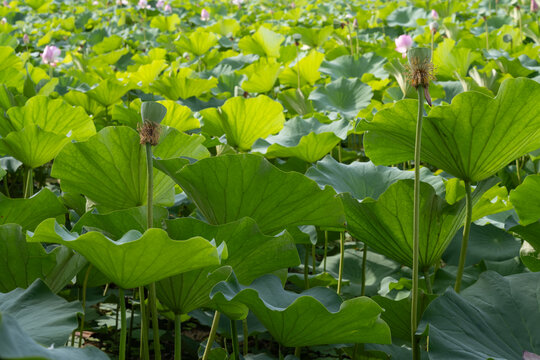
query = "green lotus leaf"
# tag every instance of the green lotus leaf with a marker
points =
(225, 27)
(109, 58)
(28, 213)
(496, 318)
(11, 68)
(296, 101)
(450, 59)
(530, 255)
(386, 225)
(174, 144)
(108, 44)
(181, 86)
(244, 120)
(2, 173)
(262, 75)
(315, 317)
(264, 42)
(110, 169)
(363, 179)
(472, 139)
(525, 199)
(165, 23)
(306, 69)
(230, 187)
(153, 111)
(348, 66)
(251, 254)
(314, 37)
(135, 259)
(306, 139)
(77, 98)
(109, 91)
(406, 16)
(344, 96)
(179, 116)
(197, 43)
(147, 73)
(37, 308)
(16, 344)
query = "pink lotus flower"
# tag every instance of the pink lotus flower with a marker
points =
(26, 39)
(527, 355)
(167, 8)
(237, 2)
(160, 4)
(50, 54)
(435, 15)
(143, 4)
(403, 43)
(205, 16)
(6, 3)
(534, 6)
(122, 2)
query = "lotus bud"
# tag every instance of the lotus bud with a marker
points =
(6, 3)
(49, 55)
(355, 23)
(293, 5)
(420, 69)
(403, 43)
(530, 356)
(160, 4)
(26, 39)
(534, 6)
(167, 8)
(205, 15)
(434, 26)
(434, 14)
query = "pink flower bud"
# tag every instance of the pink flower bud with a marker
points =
(534, 6)
(95, 2)
(160, 4)
(205, 16)
(6, 3)
(434, 15)
(26, 39)
(50, 54)
(403, 43)
(293, 5)
(528, 355)
(167, 8)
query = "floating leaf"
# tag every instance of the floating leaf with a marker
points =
(109, 91)
(197, 43)
(348, 66)
(262, 75)
(306, 69)
(182, 86)
(344, 96)
(264, 42)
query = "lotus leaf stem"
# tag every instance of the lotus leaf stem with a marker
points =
(325, 249)
(145, 352)
(246, 336)
(85, 285)
(364, 265)
(211, 336)
(466, 232)
(306, 267)
(123, 324)
(177, 337)
(29, 183)
(234, 338)
(428, 281)
(341, 260)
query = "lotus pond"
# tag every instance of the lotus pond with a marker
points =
(255, 179)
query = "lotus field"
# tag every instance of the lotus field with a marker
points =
(257, 179)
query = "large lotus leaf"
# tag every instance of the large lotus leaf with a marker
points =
(54, 116)
(406, 16)
(363, 179)
(244, 120)
(472, 138)
(109, 91)
(348, 66)
(496, 318)
(136, 259)
(37, 308)
(181, 86)
(28, 213)
(68, 264)
(230, 187)
(165, 23)
(191, 290)
(386, 225)
(147, 73)
(198, 42)
(314, 37)
(226, 27)
(173, 144)
(315, 317)
(179, 116)
(116, 223)
(306, 139)
(16, 344)
(110, 169)
(264, 42)
(450, 59)
(526, 200)
(296, 101)
(11, 68)
(21, 263)
(305, 69)
(262, 75)
(344, 96)
(251, 254)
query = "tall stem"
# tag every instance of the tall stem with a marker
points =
(306, 267)
(341, 260)
(155, 320)
(145, 352)
(29, 183)
(234, 338)
(211, 336)
(325, 249)
(364, 265)
(123, 324)
(246, 336)
(85, 285)
(416, 224)
(465, 240)
(314, 259)
(177, 337)
(428, 281)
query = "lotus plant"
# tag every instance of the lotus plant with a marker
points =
(205, 15)
(403, 44)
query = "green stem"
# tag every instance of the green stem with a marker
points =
(466, 231)
(341, 260)
(155, 320)
(325, 249)
(518, 168)
(177, 337)
(428, 281)
(306, 267)
(313, 259)
(123, 324)
(145, 352)
(416, 224)
(6, 187)
(85, 285)
(246, 336)
(211, 336)
(29, 183)
(234, 338)
(297, 351)
(364, 265)
(487, 35)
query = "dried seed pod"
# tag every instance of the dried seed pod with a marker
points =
(149, 132)
(420, 69)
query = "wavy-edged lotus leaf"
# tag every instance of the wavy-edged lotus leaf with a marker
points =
(198, 42)
(348, 66)
(306, 139)
(261, 75)
(530, 249)
(496, 318)
(526, 200)
(179, 116)
(181, 85)
(264, 42)
(251, 254)
(363, 179)
(11, 68)
(306, 69)
(28, 213)
(296, 101)
(174, 144)
(385, 225)
(225, 27)
(472, 139)
(147, 73)
(190, 290)
(109, 91)
(37, 308)
(110, 169)
(314, 37)
(16, 344)
(116, 223)
(344, 96)
(315, 317)
(244, 120)
(406, 16)
(165, 23)
(230, 187)
(450, 59)
(136, 259)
